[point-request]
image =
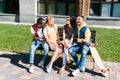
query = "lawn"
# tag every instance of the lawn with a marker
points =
(18, 38)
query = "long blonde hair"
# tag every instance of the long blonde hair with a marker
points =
(48, 19)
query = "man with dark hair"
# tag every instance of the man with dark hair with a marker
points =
(37, 31)
(83, 35)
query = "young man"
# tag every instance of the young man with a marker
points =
(81, 46)
(38, 40)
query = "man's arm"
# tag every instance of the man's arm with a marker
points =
(87, 36)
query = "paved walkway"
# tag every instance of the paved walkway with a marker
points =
(14, 66)
(98, 26)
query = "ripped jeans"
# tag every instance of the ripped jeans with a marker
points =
(34, 46)
(79, 48)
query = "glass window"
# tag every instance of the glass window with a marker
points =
(1, 6)
(116, 10)
(116, 0)
(95, 0)
(11, 6)
(41, 8)
(106, 10)
(51, 8)
(108, 0)
(61, 8)
(62, 0)
(50, 0)
(95, 9)
(71, 9)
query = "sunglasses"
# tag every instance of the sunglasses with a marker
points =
(68, 19)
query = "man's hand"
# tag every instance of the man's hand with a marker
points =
(37, 38)
(79, 40)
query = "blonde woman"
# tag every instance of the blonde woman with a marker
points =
(51, 35)
(68, 33)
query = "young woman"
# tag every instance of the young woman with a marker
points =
(68, 33)
(51, 35)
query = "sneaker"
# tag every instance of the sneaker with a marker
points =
(31, 70)
(41, 63)
(74, 73)
(48, 68)
(83, 69)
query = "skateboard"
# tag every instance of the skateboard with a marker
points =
(104, 71)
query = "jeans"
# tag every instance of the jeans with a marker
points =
(66, 52)
(79, 48)
(34, 46)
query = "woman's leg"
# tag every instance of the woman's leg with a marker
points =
(65, 55)
(56, 54)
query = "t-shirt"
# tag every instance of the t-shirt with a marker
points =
(40, 33)
(51, 33)
(69, 31)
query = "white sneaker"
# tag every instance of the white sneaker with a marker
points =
(83, 69)
(48, 68)
(31, 69)
(74, 73)
(41, 63)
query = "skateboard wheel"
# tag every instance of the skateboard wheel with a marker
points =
(102, 70)
(108, 69)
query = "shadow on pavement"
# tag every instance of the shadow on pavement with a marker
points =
(16, 57)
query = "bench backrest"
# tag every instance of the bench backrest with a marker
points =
(93, 35)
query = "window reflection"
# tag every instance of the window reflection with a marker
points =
(71, 9)
(61, 8)
(1, 6)
(51, 8)
(41, 8)
(116, 10)
(106, 10)
(95, 9)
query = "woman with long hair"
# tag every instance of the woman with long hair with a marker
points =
(68, 34)
(51, 35)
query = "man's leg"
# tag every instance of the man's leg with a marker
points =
(45, 49)
(84, 52)
(72, 51)
(80, 67)
(33, 48)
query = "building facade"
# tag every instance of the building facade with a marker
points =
(28, 10)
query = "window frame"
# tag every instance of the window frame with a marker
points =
(101, 2)
(56, 5)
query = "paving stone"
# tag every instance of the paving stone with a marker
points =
(2, 77)
(10, 69)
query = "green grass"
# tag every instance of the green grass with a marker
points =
(109, 43)
(18, 38)
(15, 38)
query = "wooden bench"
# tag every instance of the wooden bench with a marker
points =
(93, 37)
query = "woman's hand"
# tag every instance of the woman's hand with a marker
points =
(66, 44)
